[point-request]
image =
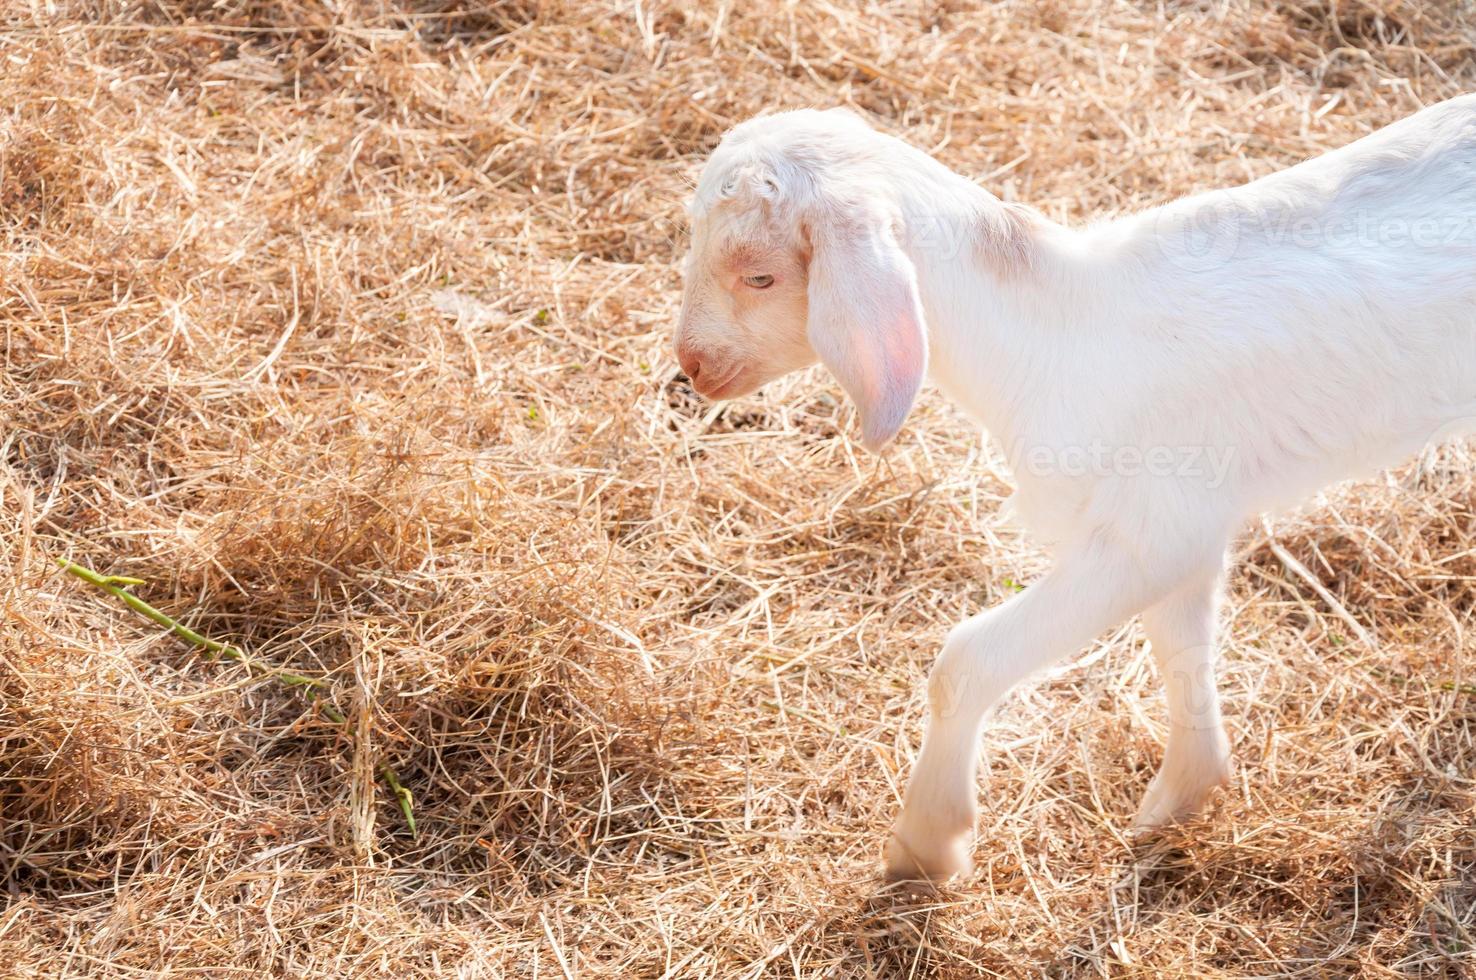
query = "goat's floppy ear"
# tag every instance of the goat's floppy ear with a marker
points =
(866, 320)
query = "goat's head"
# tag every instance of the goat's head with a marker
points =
(795, 257)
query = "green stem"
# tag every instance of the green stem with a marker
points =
(1388, 675)
(407, 801)
(115, 584)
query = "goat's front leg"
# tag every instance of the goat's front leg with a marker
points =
(1181, 631)
(1088, 591)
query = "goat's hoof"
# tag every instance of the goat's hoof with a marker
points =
(932, 862)
(1195, 762)
(1173, 801)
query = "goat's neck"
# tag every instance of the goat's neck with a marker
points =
(990, 310)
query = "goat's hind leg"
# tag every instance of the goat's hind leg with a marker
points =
(1181, 630)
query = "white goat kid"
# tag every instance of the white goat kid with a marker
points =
(1153, 380)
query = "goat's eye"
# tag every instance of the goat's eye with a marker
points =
(758, 282)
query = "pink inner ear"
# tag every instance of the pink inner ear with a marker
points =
(866, 326)
(904, 346)
(891, 372)
(894, 359)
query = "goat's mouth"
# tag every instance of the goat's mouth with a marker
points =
(739, 381)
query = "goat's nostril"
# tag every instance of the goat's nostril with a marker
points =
(690, 362)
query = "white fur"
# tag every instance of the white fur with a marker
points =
(1154, 380)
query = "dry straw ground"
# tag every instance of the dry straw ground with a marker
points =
(344, 324)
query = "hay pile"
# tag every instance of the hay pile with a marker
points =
(344, 324)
